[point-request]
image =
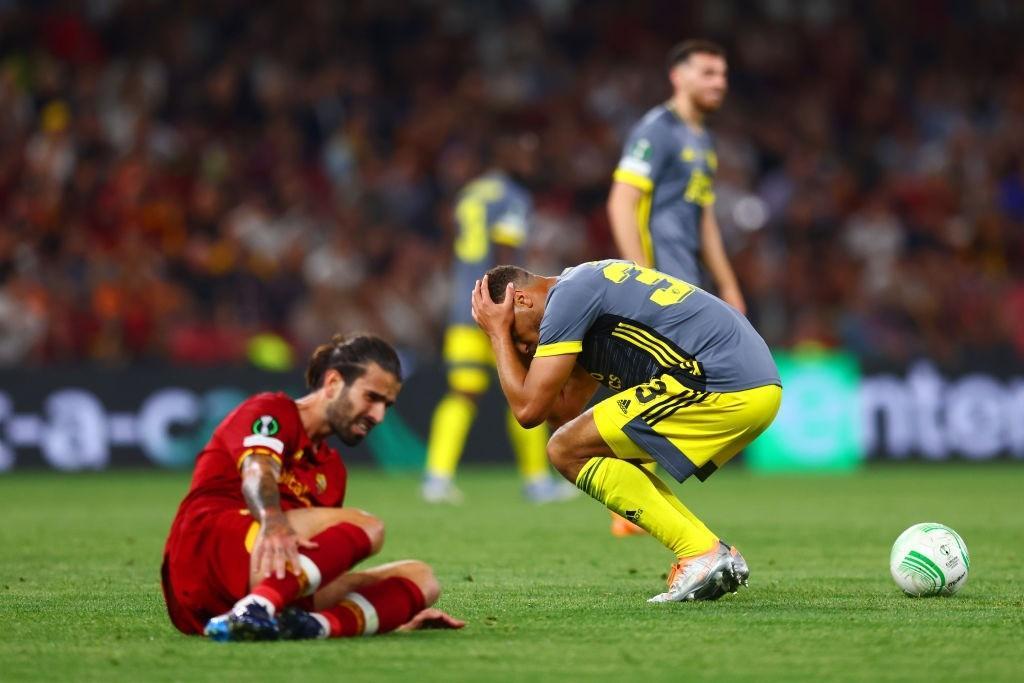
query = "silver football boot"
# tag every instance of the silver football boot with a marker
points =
(709, 576)
(739, 565)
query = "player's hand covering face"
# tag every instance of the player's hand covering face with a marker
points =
(494, 319)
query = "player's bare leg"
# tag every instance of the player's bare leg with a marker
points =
(418, 572)
(449, 427)
(310, 522)
(703, 565)
(328, 542)
(394, 596)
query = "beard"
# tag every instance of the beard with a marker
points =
(709, 103)
(345, 423)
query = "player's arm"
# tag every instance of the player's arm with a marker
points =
(623, 203)
(712, 252)
(533, 389)
(276, 549)
(573, 397)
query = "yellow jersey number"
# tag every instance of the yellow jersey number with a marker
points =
(471, 216)
(669, 290)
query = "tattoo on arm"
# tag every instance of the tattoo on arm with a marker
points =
(259, 485)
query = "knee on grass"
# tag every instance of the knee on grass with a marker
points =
(423, 576)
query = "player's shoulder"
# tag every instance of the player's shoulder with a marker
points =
(489, 187)
(656, 119)
(270, 399)
(269, 410)
(582, 280)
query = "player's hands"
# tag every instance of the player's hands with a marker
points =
(276, 550)
(491, 317)
(431, 618)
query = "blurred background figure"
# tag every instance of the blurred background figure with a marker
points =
(224, 184)
(492, 215)
(661, 205)
(241, 164)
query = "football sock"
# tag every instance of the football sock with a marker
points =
(377, 608)
(674, 501)
(530, 446)
(448, 429)
(627, 489)
(339, 547)
(617, 525)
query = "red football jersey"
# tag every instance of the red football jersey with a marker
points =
(269, 424)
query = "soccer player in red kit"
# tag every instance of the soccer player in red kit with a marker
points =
(261, 547)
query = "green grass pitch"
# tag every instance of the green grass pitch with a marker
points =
(548, 594)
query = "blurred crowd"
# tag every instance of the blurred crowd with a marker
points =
(226, 181)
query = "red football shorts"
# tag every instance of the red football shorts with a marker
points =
(206, 567)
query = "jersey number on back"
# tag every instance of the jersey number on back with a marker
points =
(471, 216)
(669, 290)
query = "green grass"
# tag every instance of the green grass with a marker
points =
(548, 594)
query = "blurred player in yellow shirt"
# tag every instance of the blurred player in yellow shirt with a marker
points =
(492, 215)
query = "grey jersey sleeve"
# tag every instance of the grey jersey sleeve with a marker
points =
(572, 307)
(645, 153)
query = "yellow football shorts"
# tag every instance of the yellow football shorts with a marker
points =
(685, 430)
(468, 355)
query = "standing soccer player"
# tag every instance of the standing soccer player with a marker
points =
(661, 202)
(261, 547)
(493, 217)
(661, 205)
(695, 384)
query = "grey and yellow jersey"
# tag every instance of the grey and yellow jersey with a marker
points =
(630, 324)
(673, 164)
(491, 210)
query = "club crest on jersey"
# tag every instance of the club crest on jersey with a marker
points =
(641, 150)
(265, 425)
(321, 482)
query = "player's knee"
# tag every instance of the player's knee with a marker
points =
(559, 451)
(422, 575)
(373, 527)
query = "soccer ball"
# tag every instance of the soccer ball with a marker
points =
(929, 559)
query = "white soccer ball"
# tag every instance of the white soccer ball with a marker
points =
(929, 559)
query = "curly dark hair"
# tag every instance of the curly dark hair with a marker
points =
(350, 356)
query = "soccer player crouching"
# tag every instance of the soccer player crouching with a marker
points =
(261, 548)
(695, 385)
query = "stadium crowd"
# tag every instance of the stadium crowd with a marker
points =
(177, 179)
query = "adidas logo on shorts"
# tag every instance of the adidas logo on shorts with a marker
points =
(623, 405)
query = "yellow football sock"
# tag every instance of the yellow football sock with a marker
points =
(448, 429)
(674, 501)
(530, 446)
(627, 489)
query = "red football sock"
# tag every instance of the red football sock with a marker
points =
(377, 608)
(339, 547)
